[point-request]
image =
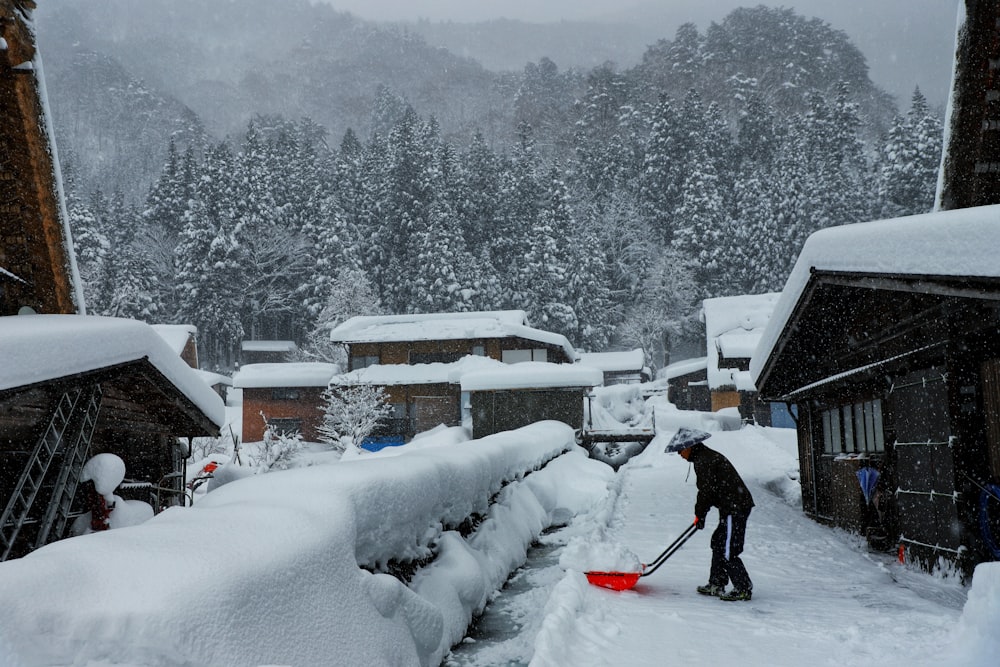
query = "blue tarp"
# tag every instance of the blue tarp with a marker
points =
(377, 443)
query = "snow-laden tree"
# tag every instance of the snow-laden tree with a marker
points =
(445, 275)
(479, 213)
(90, 243)
(660, 188)
(703, 224)
(352, 412)
(207, 268)
(544, 100)
(521, 194)
(127, 269)
(548, 262)
(666, 309)
(601, 151)
(908, 161)
(350, 294)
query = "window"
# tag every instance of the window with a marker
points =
(479, 350)
(517, 356)
(285, 394)
(854, 429)
(363, 361)
(434, 357)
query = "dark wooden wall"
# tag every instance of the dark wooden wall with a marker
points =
(971, 169)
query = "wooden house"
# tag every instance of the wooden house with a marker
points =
(733, 326)
(503, 399)
(37, 266)
(406, 351)
(447, 337)
(267, 351)
(71, 386)
(625, 367)
(421, 396)
(687, 384)
(287, 397)
(75, 386)
(970, 167)
(183, 339)
(887, 340)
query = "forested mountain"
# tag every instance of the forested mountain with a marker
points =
(605, 202)
(228, 60)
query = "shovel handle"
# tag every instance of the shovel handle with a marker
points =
(670, 550)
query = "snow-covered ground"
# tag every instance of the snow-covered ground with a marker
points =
(276, 569)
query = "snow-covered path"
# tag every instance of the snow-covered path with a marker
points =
(819, 597)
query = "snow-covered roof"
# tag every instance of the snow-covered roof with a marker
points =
(956, 243)
(738, 344)
(533, 375)
(268, 346)
(733, 326)
(445, 326)
(683, 367)
(407, 374)
(298, 374)
(176, 335)
(39, 348)
(48, 128)
(630, 360)
(212, 379)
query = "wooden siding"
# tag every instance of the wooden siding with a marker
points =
(307, 408)
(497, 411)
(725, 399)
(399, 352)
(971, 170)
(991, 413)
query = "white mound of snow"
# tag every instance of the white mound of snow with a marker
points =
(583, 555)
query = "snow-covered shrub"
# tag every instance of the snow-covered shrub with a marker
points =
(275, 448)
(351, 413)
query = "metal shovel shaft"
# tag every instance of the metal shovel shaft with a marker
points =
(670, 550)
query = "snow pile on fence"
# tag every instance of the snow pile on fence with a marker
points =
(270, 569)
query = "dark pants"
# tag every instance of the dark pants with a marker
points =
(727, 545)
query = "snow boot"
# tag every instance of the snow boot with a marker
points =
(709, 589)
(736, 596)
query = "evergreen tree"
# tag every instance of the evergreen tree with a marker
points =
(127, 269)
(90, 242)
(444, 281)
(665, 309)
(909, 159)
(548, 262)
(601, 150)
(703, 222)
(520, 201)
(660, 190)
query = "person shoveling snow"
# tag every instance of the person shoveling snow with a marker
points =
(719, 485)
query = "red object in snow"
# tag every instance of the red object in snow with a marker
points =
(210, 467)
(99, 509)
(616, 581)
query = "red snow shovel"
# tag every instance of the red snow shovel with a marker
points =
(622, 581)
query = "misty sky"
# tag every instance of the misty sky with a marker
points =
(907, 42)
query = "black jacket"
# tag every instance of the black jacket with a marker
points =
(719, 485)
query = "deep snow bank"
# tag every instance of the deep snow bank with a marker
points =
(977, 643)
(265, 570)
